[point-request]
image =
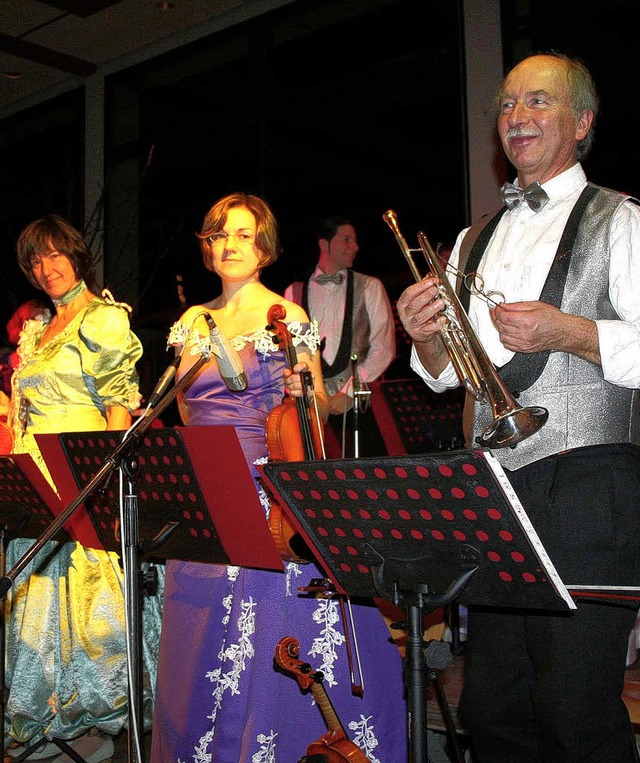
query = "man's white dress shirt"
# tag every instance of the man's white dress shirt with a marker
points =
(517, 262)
(326, 305)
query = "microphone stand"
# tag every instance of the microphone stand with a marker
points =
(358, 408)
(124, 458)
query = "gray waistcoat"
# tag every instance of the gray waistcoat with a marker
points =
(583, 408)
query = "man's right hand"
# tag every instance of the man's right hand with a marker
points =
(420, 311)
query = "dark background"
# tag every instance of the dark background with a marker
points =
(320, 107)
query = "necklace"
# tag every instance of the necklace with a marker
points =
(74, 291)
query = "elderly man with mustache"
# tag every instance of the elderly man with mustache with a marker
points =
(543, 686)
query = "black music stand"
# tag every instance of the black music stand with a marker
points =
(197, 498)
(414, 419)
(422, 531)
(189, 495)
(215, 516)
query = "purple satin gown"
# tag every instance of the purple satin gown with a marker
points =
(218, 697)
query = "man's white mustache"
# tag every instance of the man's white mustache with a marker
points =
(514, 132)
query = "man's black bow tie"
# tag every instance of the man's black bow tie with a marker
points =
(326, 278)
(534, 195)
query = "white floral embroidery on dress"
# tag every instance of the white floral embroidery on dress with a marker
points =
(327, 614)
(262, 493)
(364, 737)
(238, 654)
(292, 569)
(267, 753)
(264, 344)
(177, 335)
(262, 340)
(180, 335)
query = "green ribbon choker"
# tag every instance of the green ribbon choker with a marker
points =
(74, 291)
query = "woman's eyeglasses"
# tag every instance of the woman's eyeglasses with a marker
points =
(242, 238)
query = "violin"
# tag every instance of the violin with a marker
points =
(335, 745)
(294, 433)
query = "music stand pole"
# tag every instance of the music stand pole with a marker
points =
(133, 608)
(358, 392)
(418, 602)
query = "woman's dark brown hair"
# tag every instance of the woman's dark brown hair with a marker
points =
(50, 233)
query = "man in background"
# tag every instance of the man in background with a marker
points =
(357, 330)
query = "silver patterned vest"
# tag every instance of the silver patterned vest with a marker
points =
(360, 331)
(584, 409)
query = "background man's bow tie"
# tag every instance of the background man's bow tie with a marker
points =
(325, 278)
(534, 195)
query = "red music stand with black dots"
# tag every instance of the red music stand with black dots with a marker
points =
(422, 531)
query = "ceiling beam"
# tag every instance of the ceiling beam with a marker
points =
(47, 56)
(82, 8)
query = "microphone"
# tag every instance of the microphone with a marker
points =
(165, 380)
(227, 358)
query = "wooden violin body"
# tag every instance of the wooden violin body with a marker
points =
(284, 437)
(335, 745)
(294, 433)
(337, 750)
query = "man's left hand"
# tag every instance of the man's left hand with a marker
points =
(538, 327)
(528, 326)
(339, 403)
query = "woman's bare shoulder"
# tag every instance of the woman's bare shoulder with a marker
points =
(192, 313)
(294, 311)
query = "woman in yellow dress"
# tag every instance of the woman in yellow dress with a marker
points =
(66, 639)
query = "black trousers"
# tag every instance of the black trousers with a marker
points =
(547, 687)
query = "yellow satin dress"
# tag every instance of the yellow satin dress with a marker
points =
(66, 638)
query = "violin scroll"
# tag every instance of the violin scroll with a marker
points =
(281, 335)
(286, 656)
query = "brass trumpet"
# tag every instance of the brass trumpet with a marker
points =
(511, 423)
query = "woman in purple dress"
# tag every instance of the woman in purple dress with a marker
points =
(218, 697)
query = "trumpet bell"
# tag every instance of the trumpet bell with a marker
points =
(514, 426)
